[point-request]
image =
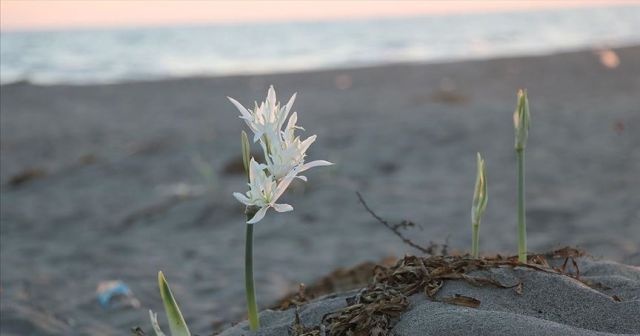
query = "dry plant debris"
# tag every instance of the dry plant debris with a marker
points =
(432, 249)
(338, 281)
(375, 308)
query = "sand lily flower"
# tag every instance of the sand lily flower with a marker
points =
(287, 152)
(268, 117)
(264, 191)
(284, 154)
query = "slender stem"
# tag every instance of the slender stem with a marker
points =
(522, 226)
(475, 243)
(254, 322)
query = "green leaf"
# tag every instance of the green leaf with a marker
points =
(176, 322)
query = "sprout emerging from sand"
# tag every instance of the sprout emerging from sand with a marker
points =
(177, 324)
(284, 154)
(521, 121)
(479, 205)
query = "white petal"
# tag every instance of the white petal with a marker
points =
(286, 109)
(290, 103)
(283, 185)
(306, 143)
(257, 135)
(292, 120)
(258, 216)
(304, 178)
(254, 169)
(282, 207)
(316, 163)
(242, 198)
(271, 96)
(256, 173)
(243, 111)
(154, 323)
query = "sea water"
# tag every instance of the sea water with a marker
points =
(123, 54)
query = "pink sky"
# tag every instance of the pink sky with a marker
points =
(28, 14)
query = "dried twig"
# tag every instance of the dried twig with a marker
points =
(395, 228)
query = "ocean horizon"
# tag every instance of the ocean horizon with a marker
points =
(112, 55)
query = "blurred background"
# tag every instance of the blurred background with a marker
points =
(120, 152)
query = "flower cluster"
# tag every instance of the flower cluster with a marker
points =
(284, 154)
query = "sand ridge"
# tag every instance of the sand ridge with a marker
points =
(547, 304)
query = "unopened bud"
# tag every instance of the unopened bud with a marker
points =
(480, 196)
(246, 152)
(521, 120)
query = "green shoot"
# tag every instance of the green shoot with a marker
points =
(521, 121)
(480, 198)
(176, 322)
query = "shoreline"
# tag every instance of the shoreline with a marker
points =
(350, 67)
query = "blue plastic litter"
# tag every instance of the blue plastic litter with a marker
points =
(108, 290)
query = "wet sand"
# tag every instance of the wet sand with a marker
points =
(93, 180)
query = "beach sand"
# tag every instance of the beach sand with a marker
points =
(545, 304)
(104, 182)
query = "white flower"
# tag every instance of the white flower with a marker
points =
(267, 118)
(287, 152)
(284, 154)
(264, 191)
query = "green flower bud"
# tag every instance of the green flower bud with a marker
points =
(521, 120)
(480, 196)
(246, 152)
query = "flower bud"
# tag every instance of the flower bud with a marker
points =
(246, 152)
(480, 196)
(521, 120)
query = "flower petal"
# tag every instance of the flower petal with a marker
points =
(286, 109)
(242, 198)
(283, 185)
(306, 143)
(243, 111)
(290, 104)
(271, 96)
(316, 163)
(282, 207)
(291, 124)
(253, 170)
(257, 134)
(258, 216)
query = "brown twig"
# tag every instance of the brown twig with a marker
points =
(395, 228)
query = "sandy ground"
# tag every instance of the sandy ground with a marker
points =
(109, 159)
(546, 304)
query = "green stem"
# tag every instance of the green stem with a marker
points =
(475, 242)
(254, 322)
(522, 226)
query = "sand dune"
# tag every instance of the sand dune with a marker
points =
(549, 304)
